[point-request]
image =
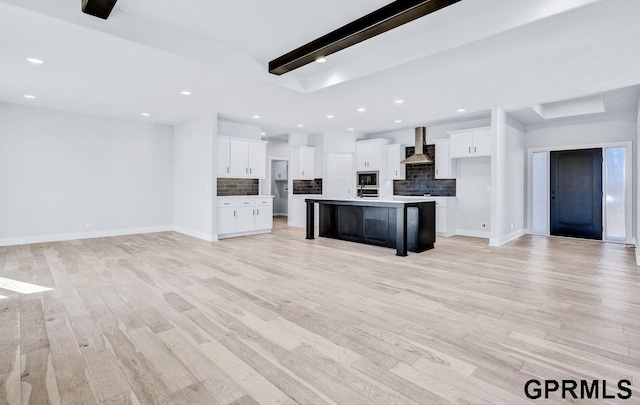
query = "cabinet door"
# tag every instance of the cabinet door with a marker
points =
(444, 166)
(246, 219)
(222, 164)
(280, 171)
(257, 160)
(362, 156)
(307, 163)
(441, 219)
(264, 217)
(338, 183)
(226, 220)
(238, 159)
(461, 145)
(482, 143)
(396, 170)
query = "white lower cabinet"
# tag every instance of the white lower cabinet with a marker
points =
(298, 210)
(246, 215)
(445, 216)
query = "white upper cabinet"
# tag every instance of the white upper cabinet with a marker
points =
(223, 164)
(371, 155)
(303, 162)
(280, 171)
(257, 160)
(470, 142)
(444, 166)
(241, 159)
(395, 170)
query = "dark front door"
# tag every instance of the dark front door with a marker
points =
(576, 193)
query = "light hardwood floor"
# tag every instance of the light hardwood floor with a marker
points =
(165, 318)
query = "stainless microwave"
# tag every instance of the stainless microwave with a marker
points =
(368, 180)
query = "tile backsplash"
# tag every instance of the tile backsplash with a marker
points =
(228, 187)
(307, 186)
(421, 179)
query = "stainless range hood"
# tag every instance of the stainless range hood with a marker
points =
(421, 142)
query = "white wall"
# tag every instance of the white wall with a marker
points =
(237, 130)
(507, 178)
(473, 192)
(193, 173)
(60, 171)
(407, 136)
(636, 170)
(590, 130)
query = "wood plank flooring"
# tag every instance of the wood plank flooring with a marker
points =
(276, 319)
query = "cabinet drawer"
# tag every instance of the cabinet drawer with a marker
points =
(227, 202)
(246, 202)
(264, 201)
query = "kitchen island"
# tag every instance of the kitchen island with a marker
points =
(406, 225)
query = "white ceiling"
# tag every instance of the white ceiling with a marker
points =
(477, 54)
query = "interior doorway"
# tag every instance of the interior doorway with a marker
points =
(576, 193)
(280, 187)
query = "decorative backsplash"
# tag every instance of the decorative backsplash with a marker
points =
(307, 186)
(227, 187)
(421, 179)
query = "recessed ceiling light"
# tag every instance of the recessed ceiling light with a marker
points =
(329, 116)
(146, 115)
(29, 96)
(350, 129)
(256, 117)
(321, 60)
(362, 109)
(263, 133)
(35, 61)
(399, 101)
(185, 92)
(461, 110)
(398, 121)
(300, 125)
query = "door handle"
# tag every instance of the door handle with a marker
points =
(257, 212)
(227, 169)
(250, 170)
(469, 149)
(475, 149)
(234, 213)
(246, 170)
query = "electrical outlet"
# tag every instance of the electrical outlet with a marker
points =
(483, 225)
(512, 227)
(88, 225)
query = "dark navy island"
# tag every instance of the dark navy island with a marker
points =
(406, 225)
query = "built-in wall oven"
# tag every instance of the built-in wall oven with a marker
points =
(368, 184)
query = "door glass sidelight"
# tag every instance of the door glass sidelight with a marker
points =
(615, 194)
(540, 188)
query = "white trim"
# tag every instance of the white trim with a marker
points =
(195, 234)
(473, 233)
(27, 240)
(628, 145)
(505, 239)
(233, 235)
(637, 257)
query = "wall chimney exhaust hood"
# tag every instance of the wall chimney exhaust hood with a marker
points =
(419, 157)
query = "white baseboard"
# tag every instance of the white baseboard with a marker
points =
(196, 234)
(473, 233)
(507, 238)
(234, 235)
(637, 257)
(27, 240)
